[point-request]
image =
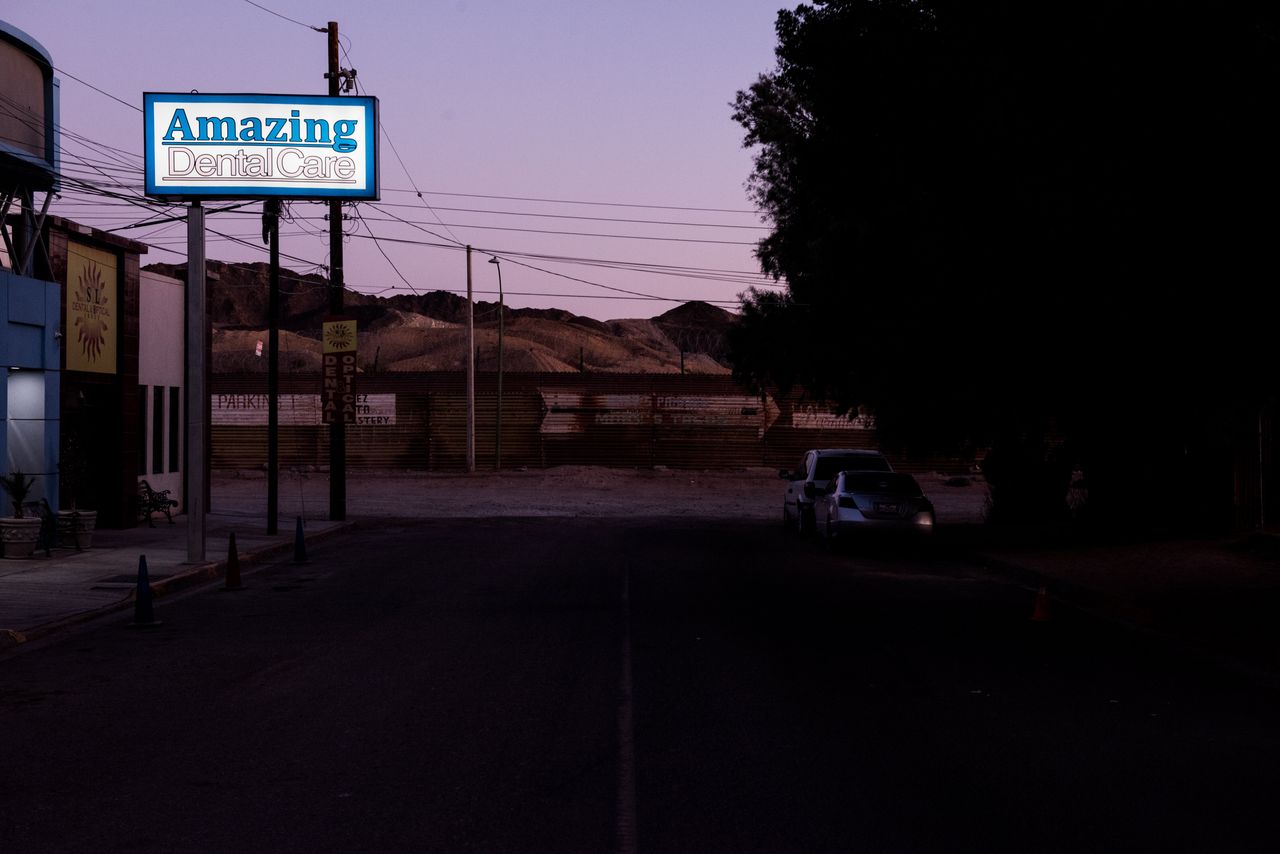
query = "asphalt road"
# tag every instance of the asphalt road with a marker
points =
(593, 685)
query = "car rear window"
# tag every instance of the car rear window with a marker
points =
(829, 467)
(900, 485)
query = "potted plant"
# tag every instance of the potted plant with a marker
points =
(75, 525)
(19, 533)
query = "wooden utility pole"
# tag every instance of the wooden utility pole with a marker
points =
(471, 373)
(497, 429)
(338, 429)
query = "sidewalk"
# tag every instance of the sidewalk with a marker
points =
(42, 595)
(1216, 599)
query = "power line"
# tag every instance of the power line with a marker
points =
(548, 295)
(87, 140)
(584, 281)
(387, 136)
(596, 234)
(395, 218)
(375, 291)
(115, 191)
(539, 269)
(259, 248)
(636, 265)
(178, 218)
(63, 71)
(378, 244)
(416, 191)
(381, 205)
(707, 275)
(286, 17)
(373, 236)
(15, 111)
(577, 202)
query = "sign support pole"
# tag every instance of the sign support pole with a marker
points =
(197, 395)
(271, 227)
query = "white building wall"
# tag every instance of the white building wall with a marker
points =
(161, 323)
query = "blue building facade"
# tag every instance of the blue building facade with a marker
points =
(29, 352)
(30, 307)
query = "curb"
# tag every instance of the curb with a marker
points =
(201, 574)
(213, 570)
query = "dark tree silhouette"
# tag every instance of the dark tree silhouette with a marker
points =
(1040, 228)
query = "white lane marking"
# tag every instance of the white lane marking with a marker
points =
(626, 806)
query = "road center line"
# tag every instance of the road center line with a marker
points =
(626, 807)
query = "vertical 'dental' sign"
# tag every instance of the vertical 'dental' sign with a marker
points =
(338, 391)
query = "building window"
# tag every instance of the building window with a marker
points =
(157, 429)
(175, 428)
(142, 431)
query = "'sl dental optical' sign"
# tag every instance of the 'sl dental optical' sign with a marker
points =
(257, 146)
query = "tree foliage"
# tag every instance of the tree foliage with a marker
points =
(1004, 222)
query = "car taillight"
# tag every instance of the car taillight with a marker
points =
(847, 501)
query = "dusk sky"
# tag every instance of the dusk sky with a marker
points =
(487, 102)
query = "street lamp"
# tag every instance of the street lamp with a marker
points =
(497, 433)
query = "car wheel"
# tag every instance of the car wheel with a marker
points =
(804, 521)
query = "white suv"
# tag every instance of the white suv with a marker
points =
(813, 478)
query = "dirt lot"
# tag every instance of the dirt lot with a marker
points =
(589, 491)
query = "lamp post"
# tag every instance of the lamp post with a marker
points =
(497, 433)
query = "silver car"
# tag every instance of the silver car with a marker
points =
(813, 478)
(860, 503)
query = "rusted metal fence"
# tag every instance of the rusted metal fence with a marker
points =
(418, 422)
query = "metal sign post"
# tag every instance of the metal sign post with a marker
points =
(204, 146)
(197, 396)
(271, 233)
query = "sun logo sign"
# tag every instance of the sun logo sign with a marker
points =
(93, 314)
(339, 336)
(91, 283)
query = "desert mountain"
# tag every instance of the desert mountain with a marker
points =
(426, 332)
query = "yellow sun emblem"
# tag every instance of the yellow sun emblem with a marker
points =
(339, 336)
(90, 303)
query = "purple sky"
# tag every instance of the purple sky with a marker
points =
(582, 100)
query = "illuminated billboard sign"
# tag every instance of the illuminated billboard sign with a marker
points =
(201, 146)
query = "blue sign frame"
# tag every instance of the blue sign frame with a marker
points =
(367, 138)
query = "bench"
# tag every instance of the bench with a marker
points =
(153, 500)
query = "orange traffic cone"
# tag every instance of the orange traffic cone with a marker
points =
(143, 613)
(233, 565)
(1040, 614)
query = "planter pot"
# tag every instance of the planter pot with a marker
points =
(75, 528)
(19, 536)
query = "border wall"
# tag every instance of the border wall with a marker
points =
(417, 421)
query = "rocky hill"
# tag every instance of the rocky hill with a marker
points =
(426, 332)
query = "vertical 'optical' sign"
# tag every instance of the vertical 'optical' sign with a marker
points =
(259, 146)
